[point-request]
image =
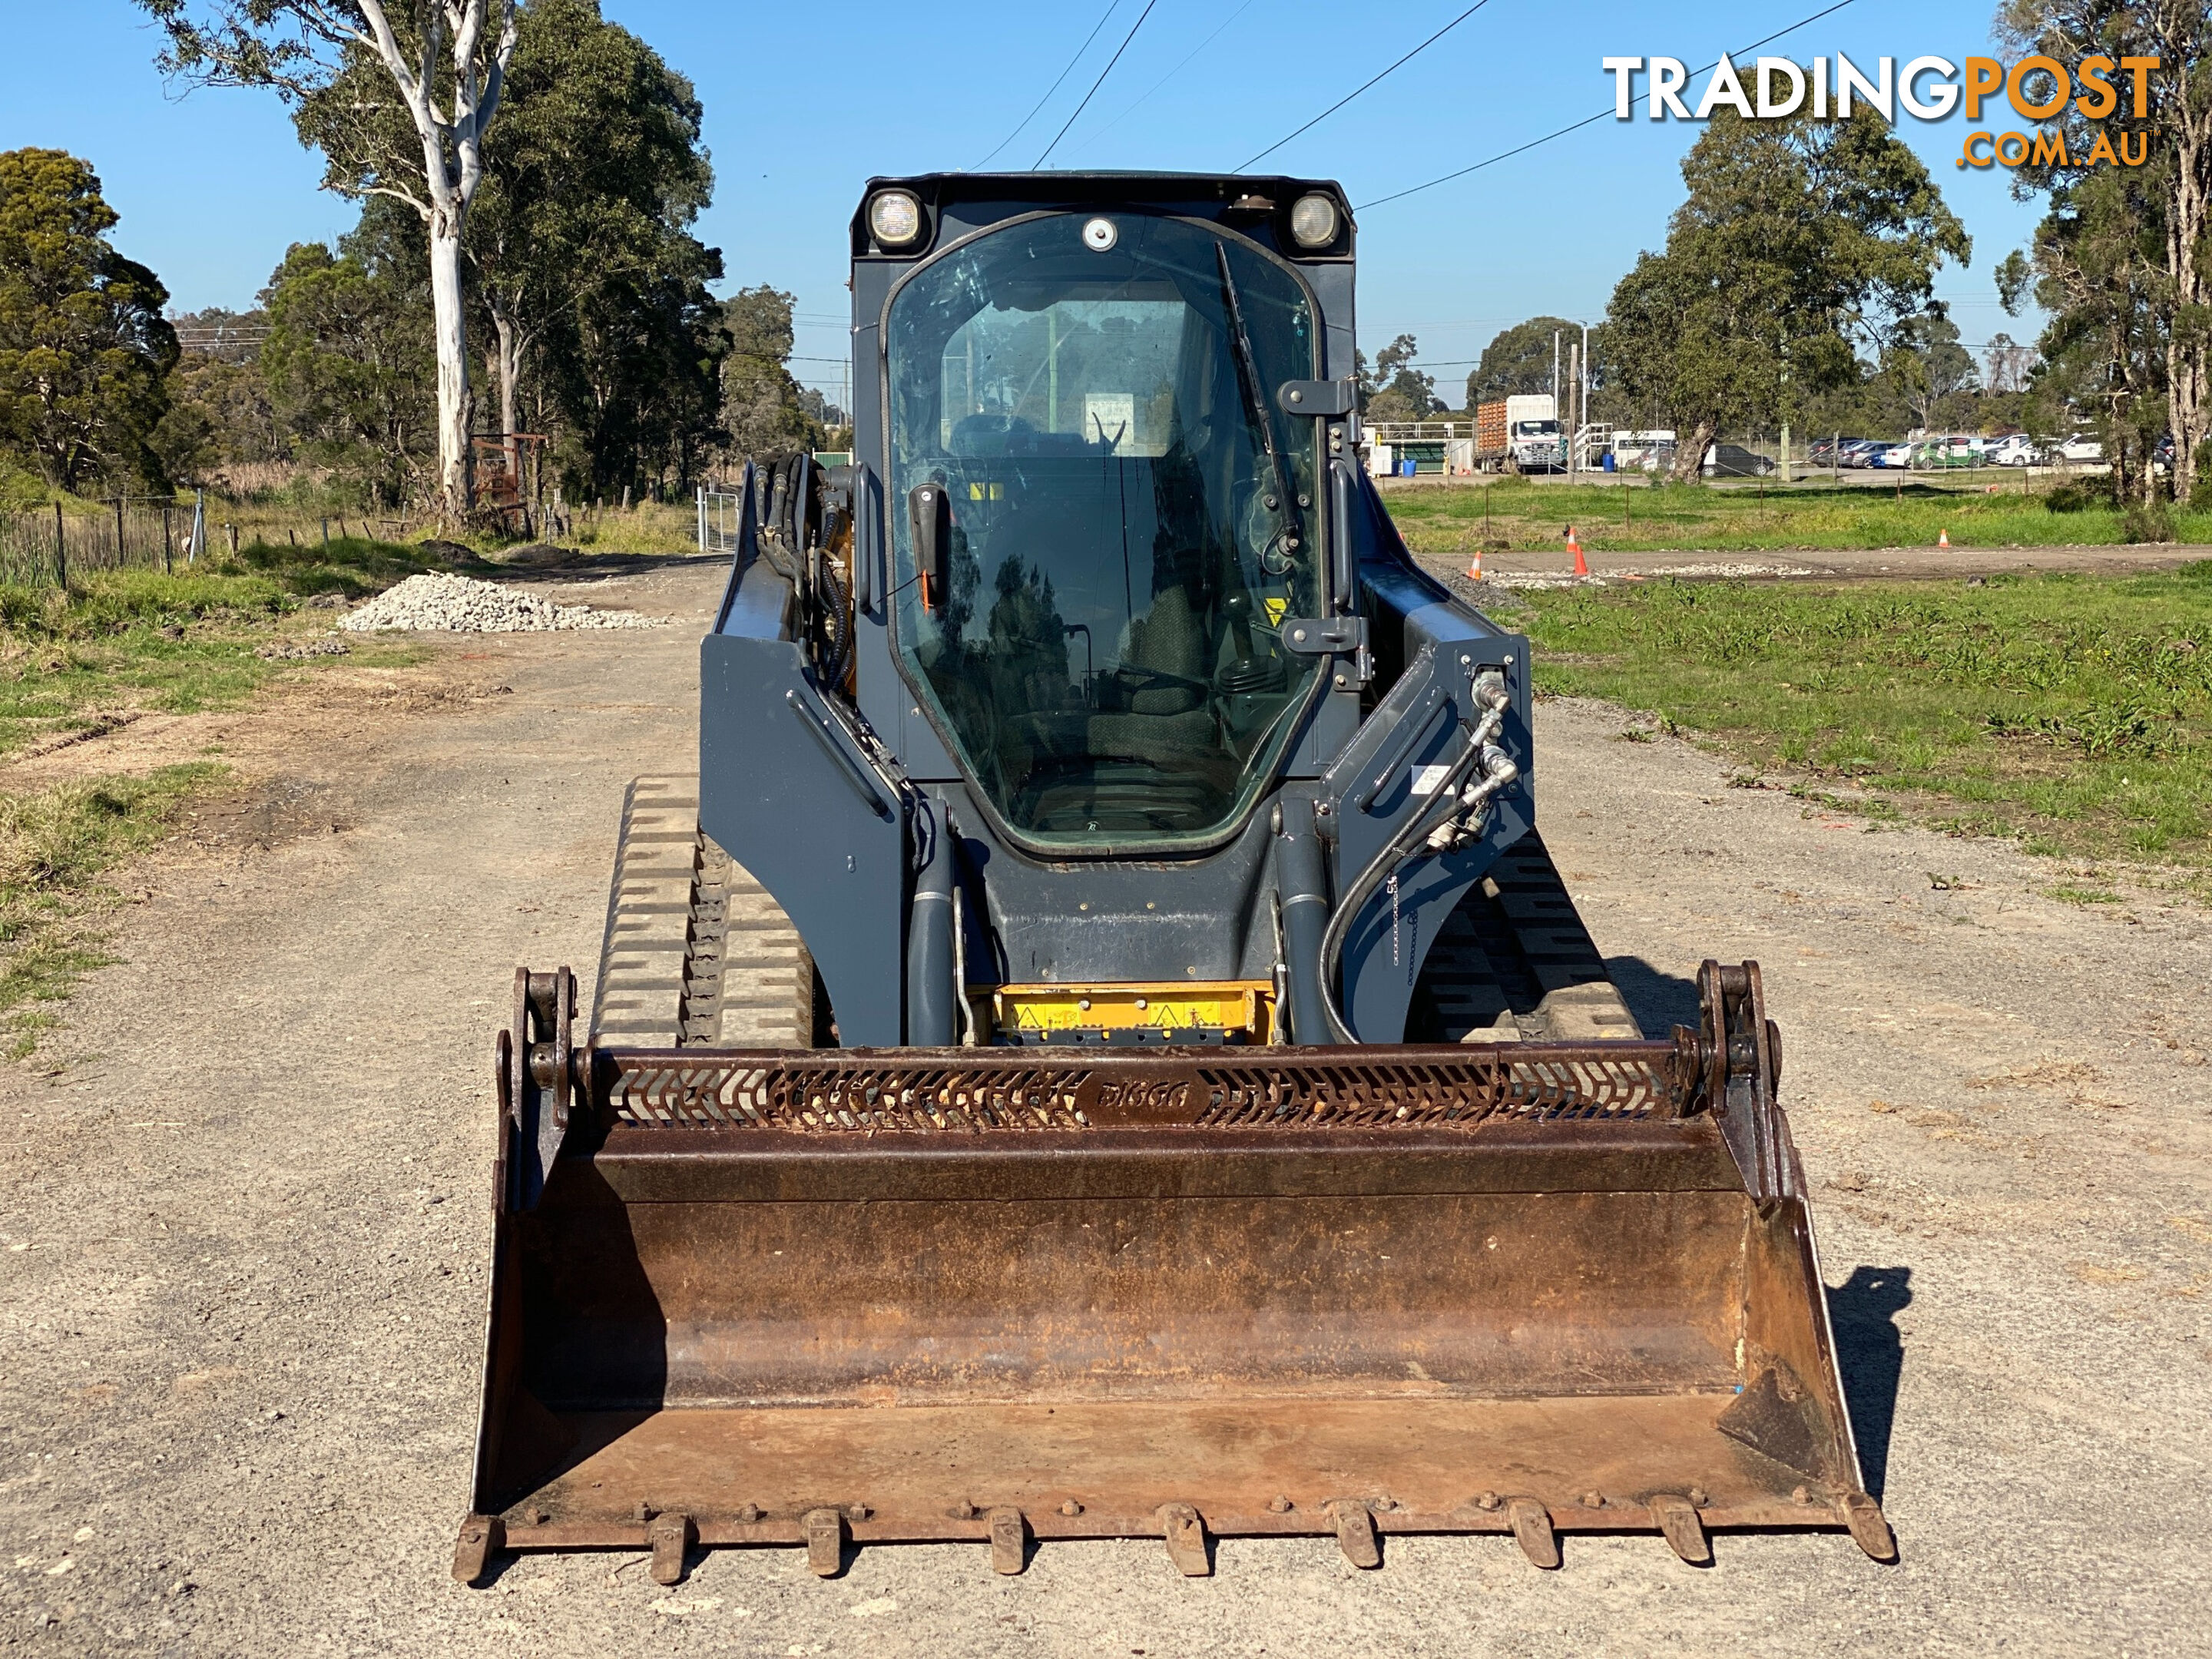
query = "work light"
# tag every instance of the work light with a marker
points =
(1313, 222)
(895, 217)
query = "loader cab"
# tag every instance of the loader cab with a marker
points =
(1100, 511)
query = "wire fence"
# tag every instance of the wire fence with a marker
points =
(46, 547)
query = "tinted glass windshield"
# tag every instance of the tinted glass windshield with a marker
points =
(1105, 649)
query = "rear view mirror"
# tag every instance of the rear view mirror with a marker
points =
(929, 514)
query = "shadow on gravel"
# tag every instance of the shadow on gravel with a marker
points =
(1659, 1001)
(1871, 1352)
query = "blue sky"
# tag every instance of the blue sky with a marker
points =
(804, 103)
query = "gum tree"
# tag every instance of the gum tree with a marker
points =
(445, 61)
(84, 353)
(2123, 260)
(1803, 241)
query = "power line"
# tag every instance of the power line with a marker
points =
(1603, 114)
(1099, 82)
(1171, 74)
(1112, 5)
(1356, 91)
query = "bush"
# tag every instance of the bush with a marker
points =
(2081, 495)
(2148, 521)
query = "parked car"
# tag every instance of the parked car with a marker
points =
(1949, 451)
(2081, 447)
(1898, 456)
(1834, 452)
(1734, 461)
(2014, 449)
(1861, 451)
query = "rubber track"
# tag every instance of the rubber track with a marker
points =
(1516, 950)
(696, 954)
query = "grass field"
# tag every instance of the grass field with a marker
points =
(137, 639)
(120, 643)
(1517, 515)
(2073, 711)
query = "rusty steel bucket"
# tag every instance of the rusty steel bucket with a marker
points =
(848, 1297)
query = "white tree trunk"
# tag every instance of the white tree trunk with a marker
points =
(452, 165)
(456, 479)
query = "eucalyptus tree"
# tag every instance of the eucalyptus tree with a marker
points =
(445, 64)
(1802, 242)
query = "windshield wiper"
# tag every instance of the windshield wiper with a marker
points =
(1247, 377)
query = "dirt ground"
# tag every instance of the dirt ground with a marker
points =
(243, 1226)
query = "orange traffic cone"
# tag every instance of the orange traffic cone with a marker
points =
(1474, 565)
(1942, 539)
(1575, 547)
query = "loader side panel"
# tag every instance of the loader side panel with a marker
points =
(783, 789)
(1421, 723)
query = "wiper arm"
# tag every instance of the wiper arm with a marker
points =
(1248, 378)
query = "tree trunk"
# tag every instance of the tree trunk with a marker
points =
(507, 347)
(1690, 458)
(2185, 375)
(454, 411)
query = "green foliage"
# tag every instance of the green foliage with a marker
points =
(580, 242)
(1800, 239)
(2075, 709)
(2119, 262)
(1517, 362)
(1394, 390)
(347, 363)
(83, 348)
(220, 412)
(761, 405)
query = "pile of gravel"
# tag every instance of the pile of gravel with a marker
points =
(455, 604)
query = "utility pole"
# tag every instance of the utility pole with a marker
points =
(1555, 373)
(1574, 413)
(1582, 396)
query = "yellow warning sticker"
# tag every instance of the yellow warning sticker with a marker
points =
(1277, 610)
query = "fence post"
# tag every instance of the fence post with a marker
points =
(702, 517)
(119, 559)
(61, 550)
(192, 548)
(168, 556)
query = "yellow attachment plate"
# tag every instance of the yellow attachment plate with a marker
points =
(1245, 1006)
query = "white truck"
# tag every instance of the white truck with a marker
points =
(1522, 433)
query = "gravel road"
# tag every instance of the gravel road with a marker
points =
(243, 1231)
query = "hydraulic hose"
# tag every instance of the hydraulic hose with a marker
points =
(1413, 838)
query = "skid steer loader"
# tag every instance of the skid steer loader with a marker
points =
(1102, 1051)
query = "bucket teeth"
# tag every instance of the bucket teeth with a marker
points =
(1870, 1530)
(1677, 1517)
(1009, 1540)
(1185, 1534)
(669, 1536)
(825, 1542)
(482, 1537)
(1531, 1530)
(1355, 1534)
